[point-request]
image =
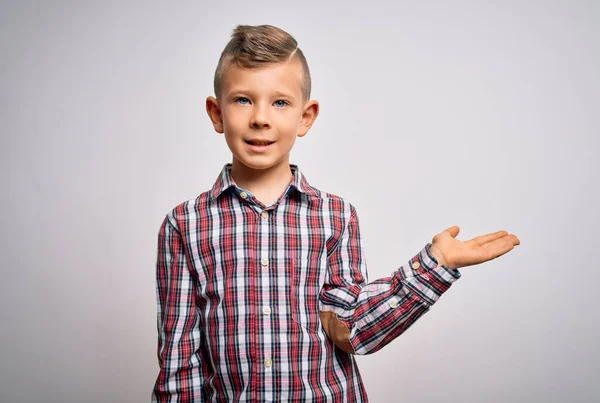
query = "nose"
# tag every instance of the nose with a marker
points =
(259, 118)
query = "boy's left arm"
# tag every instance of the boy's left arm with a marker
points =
(361, 317)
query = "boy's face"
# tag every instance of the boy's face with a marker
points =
(260, 106)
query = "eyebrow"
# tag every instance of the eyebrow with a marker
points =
(245, 91)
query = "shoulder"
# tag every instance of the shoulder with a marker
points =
(186, 211)
(322, 198)
(339, 215)
(335, 204)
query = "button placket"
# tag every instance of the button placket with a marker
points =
(265, 284)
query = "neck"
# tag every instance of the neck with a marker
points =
(260, 181)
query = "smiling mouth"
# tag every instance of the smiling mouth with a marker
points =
(258, 143)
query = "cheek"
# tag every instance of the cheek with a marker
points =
(288, 123)
(233, 122)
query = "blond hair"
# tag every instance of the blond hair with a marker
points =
(253, 46)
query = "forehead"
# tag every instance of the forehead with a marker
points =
(283, 76)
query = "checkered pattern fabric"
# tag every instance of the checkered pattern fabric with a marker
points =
(240, 286)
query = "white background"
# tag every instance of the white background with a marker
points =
(432, 114)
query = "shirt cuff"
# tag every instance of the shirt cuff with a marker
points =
(426, 277)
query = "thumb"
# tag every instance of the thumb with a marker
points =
(453, 230)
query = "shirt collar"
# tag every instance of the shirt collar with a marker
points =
(225, 181)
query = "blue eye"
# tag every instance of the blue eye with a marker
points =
(280, 103)
(242, 100)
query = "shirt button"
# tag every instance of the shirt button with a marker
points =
(267, 310)
(393, 303)
(264, 214)
(264, 261)
(244, 195)
(268, 362)
(416, 265)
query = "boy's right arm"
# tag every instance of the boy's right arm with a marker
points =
(179, 354)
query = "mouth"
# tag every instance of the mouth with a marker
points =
(259, 143)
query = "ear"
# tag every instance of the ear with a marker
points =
(310, 113)
(214, 113)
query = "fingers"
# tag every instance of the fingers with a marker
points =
(483, 239)
(500, 246)
(512, 238)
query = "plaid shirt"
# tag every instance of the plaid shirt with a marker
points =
(269, 303)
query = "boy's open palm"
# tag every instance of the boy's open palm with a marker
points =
(454, 253)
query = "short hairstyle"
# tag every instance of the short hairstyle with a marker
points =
(255, 46)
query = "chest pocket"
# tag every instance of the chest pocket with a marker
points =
(305, 286)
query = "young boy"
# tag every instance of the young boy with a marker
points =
(262, 281)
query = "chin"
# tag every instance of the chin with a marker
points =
(259, 166)
(259, 163)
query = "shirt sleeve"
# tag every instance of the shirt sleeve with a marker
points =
(179, 337)
(360, 317)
